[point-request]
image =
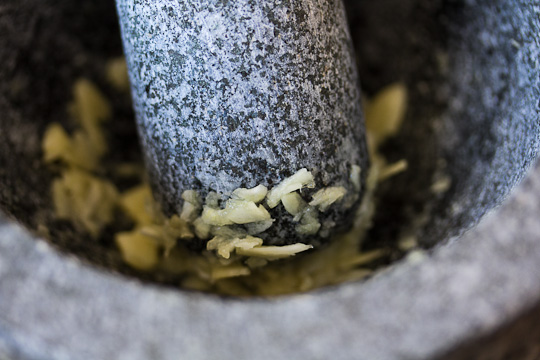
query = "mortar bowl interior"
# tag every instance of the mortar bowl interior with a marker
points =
(472, 74)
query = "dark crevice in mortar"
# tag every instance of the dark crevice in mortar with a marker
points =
(400, 41)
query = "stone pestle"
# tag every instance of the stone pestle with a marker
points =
(236, 94)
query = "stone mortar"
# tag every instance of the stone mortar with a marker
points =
(472, 68)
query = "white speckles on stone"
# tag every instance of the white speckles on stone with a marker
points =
(238, 94)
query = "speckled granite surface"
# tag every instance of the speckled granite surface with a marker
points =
(459, 302)
(237, 94)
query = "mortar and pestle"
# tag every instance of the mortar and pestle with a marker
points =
(473, 76)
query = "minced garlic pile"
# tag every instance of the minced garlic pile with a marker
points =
(236, 261)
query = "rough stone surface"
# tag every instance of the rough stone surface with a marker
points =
(459, 302)
(471, 69)
(54, 307)
(493, 84)
(236, 94)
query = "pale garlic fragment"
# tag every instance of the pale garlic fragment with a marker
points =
(225, 246)
(138, 250)
(192, 205)
(325, 197)
(293, 203)
(235, 212)
(393, 169)
(274, 252)
(137, 203)
(355, 177)
(386, 111)
(84, 199)
(309, 221)
(117, 74)
(256, 194)
(302, 178)
(202, 229)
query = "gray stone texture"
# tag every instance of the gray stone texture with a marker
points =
(471, 68)
(233, 94)
(474, 297)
